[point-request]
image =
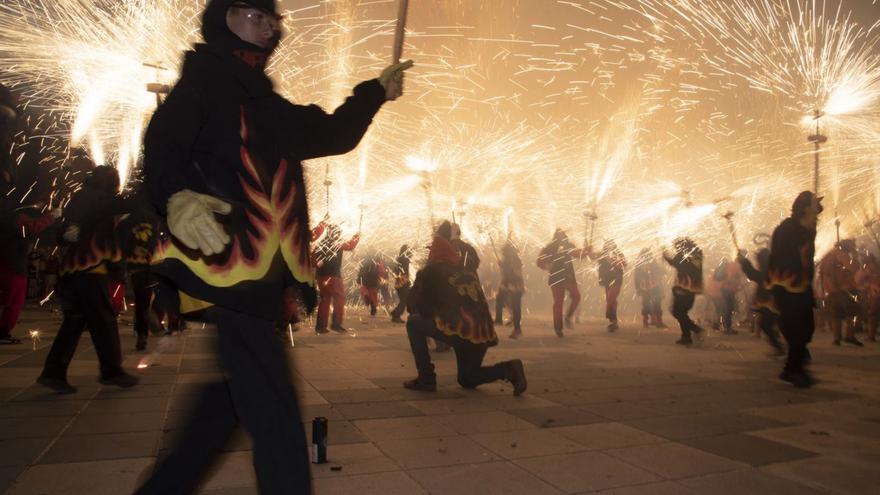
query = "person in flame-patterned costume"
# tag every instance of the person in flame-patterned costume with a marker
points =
(223, 164)
(688, 263)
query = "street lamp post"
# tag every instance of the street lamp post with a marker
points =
(818, 140)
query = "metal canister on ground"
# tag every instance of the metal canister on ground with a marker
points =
(319, 440)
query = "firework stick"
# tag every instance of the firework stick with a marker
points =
(403, 8)
(869, 225)
(729, 217)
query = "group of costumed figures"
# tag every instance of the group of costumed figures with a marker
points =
(218, 220)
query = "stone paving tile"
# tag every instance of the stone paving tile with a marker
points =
(752, 450)
(126, 405)
(431, 452)
(82, 448)
(703, 425)
(558, 416)
(32, 427)
(395, 483)
(749, 481)
(373, 410)
(21, 451)
(526, 443)
(621, 411)
(353, 459)
(585, 471)
(38, 409)
(382, 429)
(661, 488)
(830, 474)
(483, 422)
(87, 424)
(822, 438)
(674, 461)
(110, 477)
(494, 478)
(604, 436)
(8, 475)
(339, 432)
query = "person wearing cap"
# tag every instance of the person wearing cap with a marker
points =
(790, 273)
(84, 286)
(223, 164)
(837, 276)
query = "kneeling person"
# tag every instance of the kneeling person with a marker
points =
(447, 304)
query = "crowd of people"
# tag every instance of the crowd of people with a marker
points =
(217, 230)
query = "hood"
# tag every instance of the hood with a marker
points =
(217, 34)
(442, 252)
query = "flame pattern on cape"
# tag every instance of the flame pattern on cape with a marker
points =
(473, 322)
(272, 227)
(795, 283)
(83, 257)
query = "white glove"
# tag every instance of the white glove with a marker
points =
(392, 79)
(56, 213)
(71, 234)
(191, 220)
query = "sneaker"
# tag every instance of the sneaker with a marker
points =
(141, 344)
(338, 328)
(321, 330)
(559, 332)
(799, 380)
(122, 379)
(421, 385)
(57, 384)
(613, 327)
(687, 342)
(699, 333)
(518, 377)
(854, 341)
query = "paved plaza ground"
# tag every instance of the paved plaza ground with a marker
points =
(624, 413)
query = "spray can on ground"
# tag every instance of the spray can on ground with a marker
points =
(319, 440)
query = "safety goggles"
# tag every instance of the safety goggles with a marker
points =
(259, 17)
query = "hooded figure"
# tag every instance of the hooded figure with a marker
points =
(223, 164)
(688, 263)
(447, 304)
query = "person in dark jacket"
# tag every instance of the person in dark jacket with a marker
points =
(447, 304)
(511, 288)
(790, 273)
(330, 283)
(612, 263)
(84, 288)
(223, 162)
(558, 258)
(648, 278)
(762, 301)
(688, 263)
(371, 275)
(401, 282)
(139, 233)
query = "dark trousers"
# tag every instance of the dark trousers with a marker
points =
(141, 282)
(402, 294)
(728, 306)
(796, 321)
(85, 302)
(256, 392)
(767, 324)
(612, 292)
(512, 300)
(682, 303)
(574, 295)
(468, 356)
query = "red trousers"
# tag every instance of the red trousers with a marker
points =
(13, 288)
(574, 296)
(331, 291)
(370, 296)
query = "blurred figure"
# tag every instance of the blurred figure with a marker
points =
(331, 287)
(837, 275)
(139, 237)
(790, 274)
(558, 258)
(687, 260)
(84, 285)
(511, 288)
(730, 277)
(370, 276)
(868, 283)
(649, 286)
(401, 282)
(447, 304)
(762, 302)
(612, 263)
